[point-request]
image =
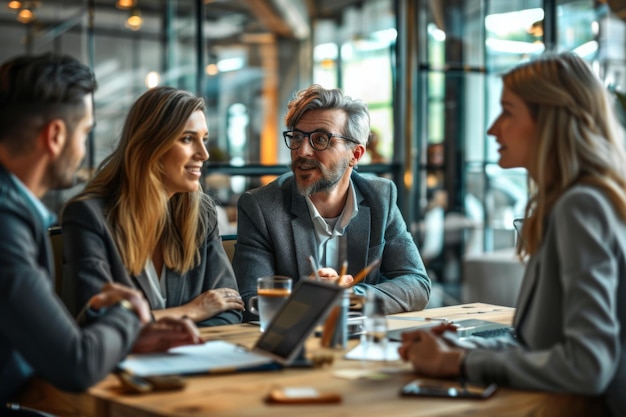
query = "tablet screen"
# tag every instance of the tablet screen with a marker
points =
(308, 304)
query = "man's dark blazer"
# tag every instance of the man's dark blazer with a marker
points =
(37, 334)
(275, 236)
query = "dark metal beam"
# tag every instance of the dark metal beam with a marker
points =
(200, 62)
(550, 25)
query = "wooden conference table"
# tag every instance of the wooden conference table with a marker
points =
(243, 394)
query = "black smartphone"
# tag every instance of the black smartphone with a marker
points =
(166, 382)
(142, 385)
(447, 389)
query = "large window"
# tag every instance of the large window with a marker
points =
(357, 56)
(467, 203)
(429, 71)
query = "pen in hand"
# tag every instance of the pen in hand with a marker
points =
(343, 271)
(315, 268)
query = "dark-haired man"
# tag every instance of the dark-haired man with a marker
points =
(46, 114)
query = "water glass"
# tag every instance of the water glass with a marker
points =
(272, 291)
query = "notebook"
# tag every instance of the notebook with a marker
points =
(467, 328)
(280, 344)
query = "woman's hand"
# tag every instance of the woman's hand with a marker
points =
(166, 333)
(213, 302)
(429, 354)
(445, 326)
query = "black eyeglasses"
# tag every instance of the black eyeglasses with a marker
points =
(318, 139)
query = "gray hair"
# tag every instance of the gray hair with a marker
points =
(317, 97)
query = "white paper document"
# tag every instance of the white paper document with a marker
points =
(279, 345)
(375, 352)
(212, 356)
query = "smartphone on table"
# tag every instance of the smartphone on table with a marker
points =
(446, 389)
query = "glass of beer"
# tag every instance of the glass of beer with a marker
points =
(272, 291)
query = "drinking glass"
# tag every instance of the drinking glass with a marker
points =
(272, 291)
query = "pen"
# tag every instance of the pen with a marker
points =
(418, 319)
(315, 268)
(363, 273)
(329, 327)
(343, 271)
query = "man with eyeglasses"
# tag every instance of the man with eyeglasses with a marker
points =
(325, 210)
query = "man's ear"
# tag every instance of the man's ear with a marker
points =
(54, 136)
(357, 154)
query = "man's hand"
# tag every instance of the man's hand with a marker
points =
(166, 333)
(329, 274)
(113, 293)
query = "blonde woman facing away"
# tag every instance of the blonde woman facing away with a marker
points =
(144, 221)
(558, 122)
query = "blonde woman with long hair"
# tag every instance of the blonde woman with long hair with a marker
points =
(558, 122)
(144, 221)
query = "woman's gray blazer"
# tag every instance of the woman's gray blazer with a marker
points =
(571, 310)
(91, 259)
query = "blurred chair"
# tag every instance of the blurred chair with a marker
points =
(56, 240)
(229, 241)
(492, 277)
(432, 244)
(432, 252)
(225, 227)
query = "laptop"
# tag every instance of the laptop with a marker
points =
(467, 328)
(280, 344)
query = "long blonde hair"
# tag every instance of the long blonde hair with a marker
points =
(579, 137)
(139, 213)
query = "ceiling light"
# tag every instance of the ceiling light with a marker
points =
(125, 4)
(15, 5)
(134, 21)
(327, 63)
(25, 16)
(211, 69)
(152, 79)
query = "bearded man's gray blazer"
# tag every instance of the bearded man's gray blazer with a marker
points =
(275, 236)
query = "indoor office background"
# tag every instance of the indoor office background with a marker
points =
(428, 69)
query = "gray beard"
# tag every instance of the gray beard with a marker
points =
(327, 183)
(318, 186)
